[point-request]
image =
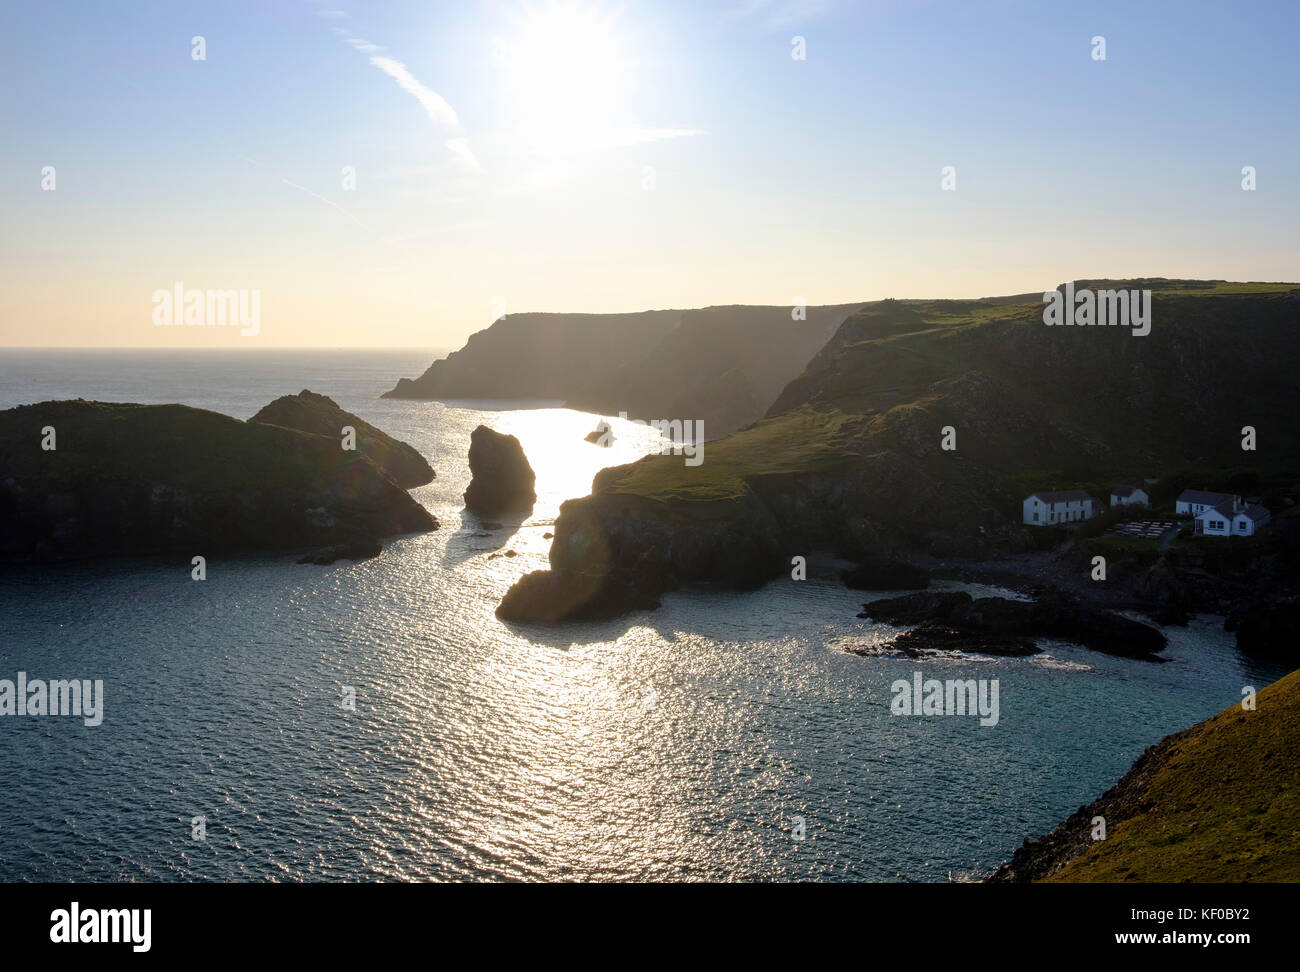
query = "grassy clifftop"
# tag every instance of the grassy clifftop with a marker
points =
(851, 455)
(1218, 802)
(1032, 406)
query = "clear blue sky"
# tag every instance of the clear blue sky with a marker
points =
(601, 156)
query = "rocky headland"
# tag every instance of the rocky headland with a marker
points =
(128, 480)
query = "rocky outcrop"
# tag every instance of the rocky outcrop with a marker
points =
(309, 412)
(127, 480)
(1053, 614)
(502, 480)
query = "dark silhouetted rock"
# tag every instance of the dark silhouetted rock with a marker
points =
(309, 412)
(550, 596)
(602, 435)
(1053, 614)
(503, 481)
(130, 480)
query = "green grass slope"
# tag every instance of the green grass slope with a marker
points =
(1219, 802)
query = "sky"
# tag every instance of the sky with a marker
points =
(401, 173)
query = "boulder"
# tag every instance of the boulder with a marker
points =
(502, 480)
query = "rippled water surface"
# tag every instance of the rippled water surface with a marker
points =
(679, 744)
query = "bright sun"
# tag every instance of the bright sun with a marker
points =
(564, 72)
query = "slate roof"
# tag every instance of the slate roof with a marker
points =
(1203, 497)
(1061, 496)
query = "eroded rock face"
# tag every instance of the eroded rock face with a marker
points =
(309, 412)
(131, 480)
(503, 481)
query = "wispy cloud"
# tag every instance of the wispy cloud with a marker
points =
(442, 114)
(434, 104)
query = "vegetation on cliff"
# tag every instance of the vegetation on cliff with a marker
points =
(309, 412)
(850, 456)
(1214, 803)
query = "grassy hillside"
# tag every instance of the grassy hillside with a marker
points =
(849, 457)
(1032, 406)
(1218, 802)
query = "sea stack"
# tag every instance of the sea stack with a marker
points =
(503, 481)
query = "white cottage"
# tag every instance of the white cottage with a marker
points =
(1061, 506)
(1216, 521)
(1129, 496)
(1248, 521)
(1194, 502)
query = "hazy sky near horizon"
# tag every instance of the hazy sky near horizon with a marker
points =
(604, 156)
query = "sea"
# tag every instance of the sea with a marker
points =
(375, 721)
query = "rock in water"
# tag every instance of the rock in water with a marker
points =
(132, 480)
(360, 548)
(503, 481)
(309, 412)
(602, 435)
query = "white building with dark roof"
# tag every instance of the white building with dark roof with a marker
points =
(1194, 502)
(1248, 521)
(1060, 506)
(1129, 496)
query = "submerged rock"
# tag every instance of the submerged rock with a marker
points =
(361, 548)
(503, 481)
(309, 412)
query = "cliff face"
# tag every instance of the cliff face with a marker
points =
(720, 365)
(126, 480)
(850, 457)
(320, 415)
(538, 355)
(1214, 803)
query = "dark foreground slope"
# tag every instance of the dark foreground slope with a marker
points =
(850, 456)
(720, 365)
(126, 480)
(1219, 802)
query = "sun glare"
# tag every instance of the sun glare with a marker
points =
(564, 71)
